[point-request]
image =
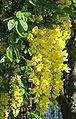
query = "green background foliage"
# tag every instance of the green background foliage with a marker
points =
(17, 19)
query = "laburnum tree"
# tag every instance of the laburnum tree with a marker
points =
(36, 40)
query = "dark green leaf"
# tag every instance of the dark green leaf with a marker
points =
(17, 53)
(68, 10)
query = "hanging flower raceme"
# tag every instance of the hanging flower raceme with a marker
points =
(11, 101)
(16, 96)
(4, 105)
(47, 62)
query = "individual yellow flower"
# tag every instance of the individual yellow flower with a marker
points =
(35, 30)
(30, 37)
(39, 67)
(36, 59)
(39, 18)
(42, 31)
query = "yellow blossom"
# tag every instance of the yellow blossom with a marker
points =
(30, 37)
(35, 30)
(39, 18)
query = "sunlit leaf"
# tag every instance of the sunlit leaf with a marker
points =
(19, 14)
(74, 1)
(24, 25)
(9, 53)
(31, 2)
(21, 85)
(19, 29)
(27, 14)
(2, 60)
(11, 24)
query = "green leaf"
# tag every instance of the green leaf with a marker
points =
(17, 53)
(23, 15)
(21, 85)
(27, 14)
(23, 68)
(17, 39)
(19, 14)
(2, 60)
(19, 29)
(9, 53)
(74, 1)
(25, 51)
(25, 19)
(26, 69)
(22, 90)
(68, 10)
(24, 25)
(55, 8)
(31, 2)
(11, 24)
(7, 19)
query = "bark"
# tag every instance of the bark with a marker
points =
(67, 101)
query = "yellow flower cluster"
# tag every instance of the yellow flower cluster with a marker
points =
(4, 105)
(48, 56)
(66, 26)
(17, 97)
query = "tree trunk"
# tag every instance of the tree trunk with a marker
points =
(68, 103)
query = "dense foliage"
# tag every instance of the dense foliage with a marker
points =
(33, 38)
